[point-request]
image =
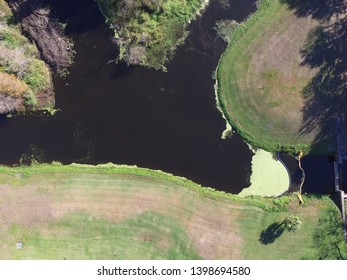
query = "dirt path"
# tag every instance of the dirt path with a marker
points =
(38, 23)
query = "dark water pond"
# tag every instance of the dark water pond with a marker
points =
(318, 170)
(132, 115)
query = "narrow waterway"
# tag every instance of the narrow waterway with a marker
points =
(109, 112)
(319, 173)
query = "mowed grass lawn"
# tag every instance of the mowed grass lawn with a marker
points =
(261, 79)
(69, 212)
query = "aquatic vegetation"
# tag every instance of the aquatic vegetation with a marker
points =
(148, 31)
(269, 176)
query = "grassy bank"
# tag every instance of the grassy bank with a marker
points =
(148, 32)
(262, 79)
(25, 81)
(122, 212)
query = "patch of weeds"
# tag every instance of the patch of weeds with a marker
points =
(12, 38)
(33, 155)
(225, 29)
(270, 75)
(38, 76)
(5, 12)
(153, 28)
(19, 58)
(30, 99)
(274, 104)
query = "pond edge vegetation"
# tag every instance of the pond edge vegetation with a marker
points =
(268, 204)
(148, 33)
(25, 80)
(237, 32)
(265, 216)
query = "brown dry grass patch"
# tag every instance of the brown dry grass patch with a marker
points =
(264, 80)
(43, 199)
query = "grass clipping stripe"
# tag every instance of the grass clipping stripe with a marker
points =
(261, 79)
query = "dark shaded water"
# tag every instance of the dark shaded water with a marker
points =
(318, 170)
(344, 176)
(112, 113)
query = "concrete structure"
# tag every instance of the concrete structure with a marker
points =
(19, 245)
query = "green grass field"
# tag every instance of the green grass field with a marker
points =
(121, 212)
(261, 79)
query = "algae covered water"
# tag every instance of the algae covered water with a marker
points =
(109, 112)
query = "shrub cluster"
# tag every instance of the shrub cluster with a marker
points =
(148, 31)
(22, 74)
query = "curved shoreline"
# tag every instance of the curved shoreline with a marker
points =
(15, 174)
(269, 178)
(135, 209)
(235, 36)
(242, 119)
(285, 166)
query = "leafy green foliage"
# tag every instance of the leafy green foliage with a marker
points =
(151, 27)
(19, 59)
(5, 12)
(38, 76)
(292, 223)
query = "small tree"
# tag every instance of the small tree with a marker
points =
(292, 223)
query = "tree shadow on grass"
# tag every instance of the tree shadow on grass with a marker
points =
(326, 50)
(329, 239)
(270, 234)
(318, 9)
